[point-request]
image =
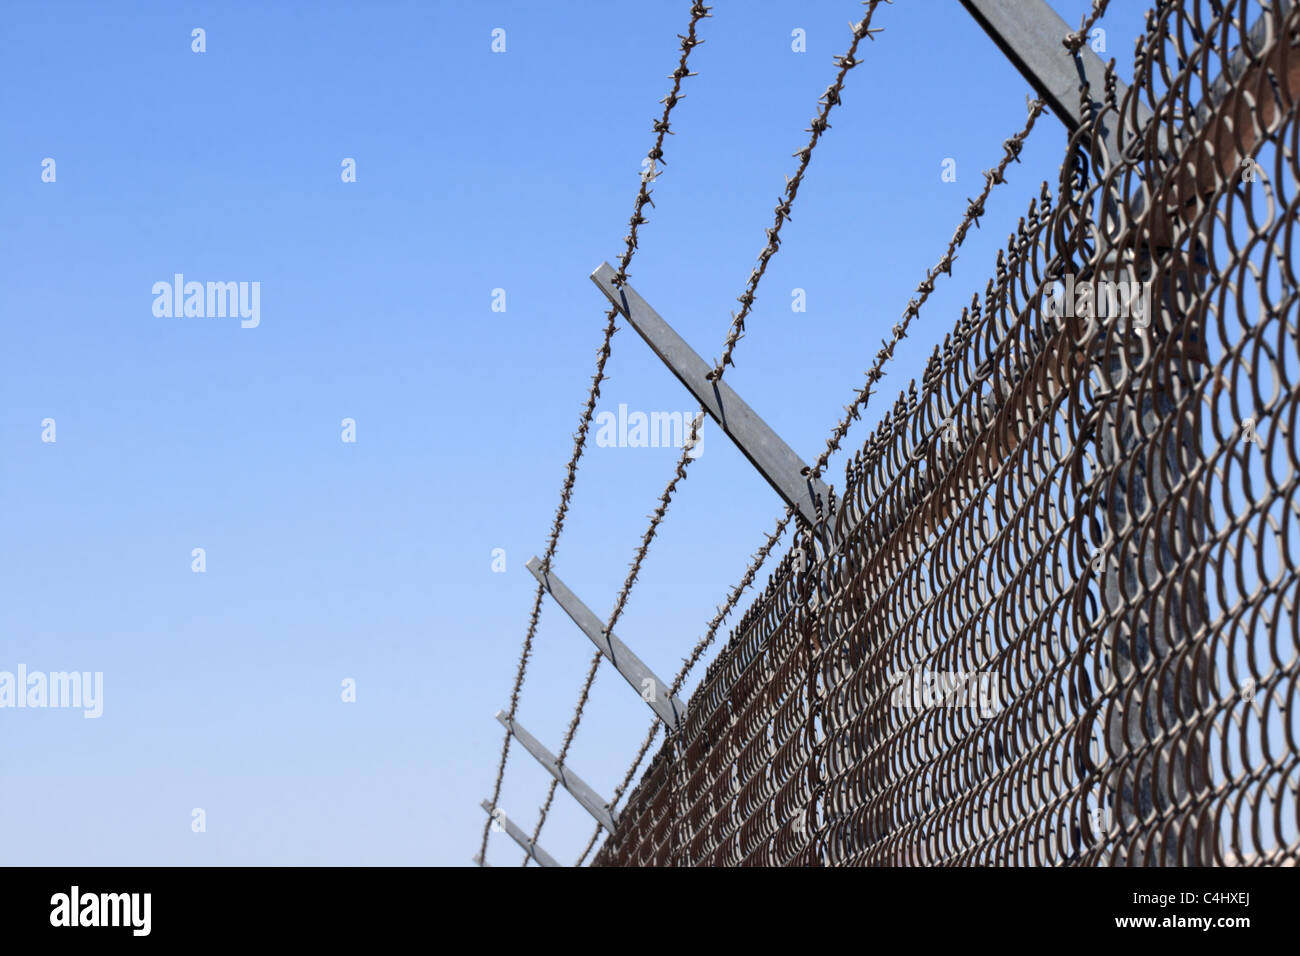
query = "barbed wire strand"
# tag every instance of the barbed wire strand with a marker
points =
(1075, 41)
(908, 853)
(828, 101)
(662, 129)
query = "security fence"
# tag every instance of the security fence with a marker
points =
(1052, 617)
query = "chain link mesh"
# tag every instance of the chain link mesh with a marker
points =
(1056, 622)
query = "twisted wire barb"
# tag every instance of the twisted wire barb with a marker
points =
(1074, 41)
(662, 129)
(622, 787)
(756, 562)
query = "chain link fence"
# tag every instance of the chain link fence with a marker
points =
(1052, 618)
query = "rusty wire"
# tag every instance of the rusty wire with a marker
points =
(662, 128)
(1098, 513)
(650, 735)
(819, 125)
(755, 564)
(1075, 41)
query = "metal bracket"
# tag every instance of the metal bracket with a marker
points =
(570, 781)
(1029, 34)
(785, 471)
(528, 846)
(667, 707)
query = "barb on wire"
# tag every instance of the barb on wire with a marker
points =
(662, 128)
(1075, 41)
(679, 474)
(974, 209)
(829, 99)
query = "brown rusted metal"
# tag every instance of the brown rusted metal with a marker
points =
(1095, 515)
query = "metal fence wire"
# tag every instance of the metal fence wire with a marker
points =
(1052, 617)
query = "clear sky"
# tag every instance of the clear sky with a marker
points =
(371, 560)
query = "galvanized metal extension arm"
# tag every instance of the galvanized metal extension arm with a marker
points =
(634, 671)
(570, 781)
(519, 836)
(1029, 33)
(776, 461)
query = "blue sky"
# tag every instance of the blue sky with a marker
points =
(371, 560)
